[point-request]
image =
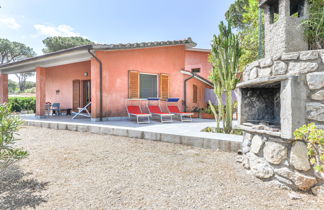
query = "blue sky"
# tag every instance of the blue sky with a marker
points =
(111, 21)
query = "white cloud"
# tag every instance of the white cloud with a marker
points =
(9, 22)
(60, 30)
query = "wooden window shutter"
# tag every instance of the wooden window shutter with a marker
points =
(164, 86)
(195, 94)
(133, 84)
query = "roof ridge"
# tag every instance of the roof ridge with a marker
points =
(187, 42)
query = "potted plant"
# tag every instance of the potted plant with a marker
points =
(207, 113)
(195, 112)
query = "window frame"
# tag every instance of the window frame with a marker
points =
(157, 83)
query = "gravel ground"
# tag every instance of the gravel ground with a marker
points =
(72, 170)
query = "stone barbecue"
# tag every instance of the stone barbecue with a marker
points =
(279, 94)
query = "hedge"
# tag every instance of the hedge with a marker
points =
(22, 103)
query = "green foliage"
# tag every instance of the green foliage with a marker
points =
(17, 104)
(235, 13)
(314, 24)
(244, 16)
(210, 109)
(30, 84)
(30, 90)
(13, 51)
(214, 130)
(315, 144)
(56, 43)
(10, 124)
(12, 86)
(224, 58)
(22, 80)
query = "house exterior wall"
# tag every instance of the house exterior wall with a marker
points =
(196, 59)
(61, 78)
(200, 95)
(115, 68)
(116, 64)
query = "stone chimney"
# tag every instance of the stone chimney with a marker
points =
(283, 30)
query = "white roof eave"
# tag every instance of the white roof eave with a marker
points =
(45, 62)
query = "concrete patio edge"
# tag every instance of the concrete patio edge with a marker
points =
(203, 142)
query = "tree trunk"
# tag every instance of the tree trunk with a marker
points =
(21, 81)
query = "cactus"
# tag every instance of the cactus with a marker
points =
(224, 58)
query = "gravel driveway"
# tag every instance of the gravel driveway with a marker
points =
(72, 170)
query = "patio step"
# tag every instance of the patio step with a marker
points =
(217, 143)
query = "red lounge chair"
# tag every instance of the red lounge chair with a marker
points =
(136, 111)
(156, 110)
(184, 116)
(172, 104)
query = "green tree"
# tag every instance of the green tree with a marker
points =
(244, 16)
(235, 13)
(56, 43)
(14, 51)
(9, 126)
(12, 86)
(22, 80)
(314, 24)
(224, 57)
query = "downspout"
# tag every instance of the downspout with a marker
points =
(100, 81)
(260, 49)
(185, 91)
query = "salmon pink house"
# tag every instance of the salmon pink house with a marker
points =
(109, 75)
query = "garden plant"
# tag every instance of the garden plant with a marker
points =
(314, 138)
(9, 126)
(225, 75)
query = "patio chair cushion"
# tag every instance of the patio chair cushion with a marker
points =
(157, 110)
(135, 110)
(176, 110)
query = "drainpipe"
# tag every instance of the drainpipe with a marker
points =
(185, 92)
(260, 49)
(100, 81)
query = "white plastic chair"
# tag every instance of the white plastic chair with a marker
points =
(81, 112)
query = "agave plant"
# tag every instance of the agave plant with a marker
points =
(224, 57)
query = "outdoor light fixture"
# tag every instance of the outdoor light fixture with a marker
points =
(57, 92)
(85, 74)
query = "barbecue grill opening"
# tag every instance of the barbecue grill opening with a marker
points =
(261, 106)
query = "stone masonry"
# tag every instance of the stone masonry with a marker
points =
(278, 33)
(275, 155)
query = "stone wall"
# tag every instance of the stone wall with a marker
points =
(278, 35)
(271, 158)
(308, 66)
(278, 156)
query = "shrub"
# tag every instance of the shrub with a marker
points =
(17, 104)
(30, 90)
(315, 144)
(10, 124)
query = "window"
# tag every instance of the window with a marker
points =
(148, 85)
(195, 94)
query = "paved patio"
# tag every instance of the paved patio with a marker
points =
(188, 133)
